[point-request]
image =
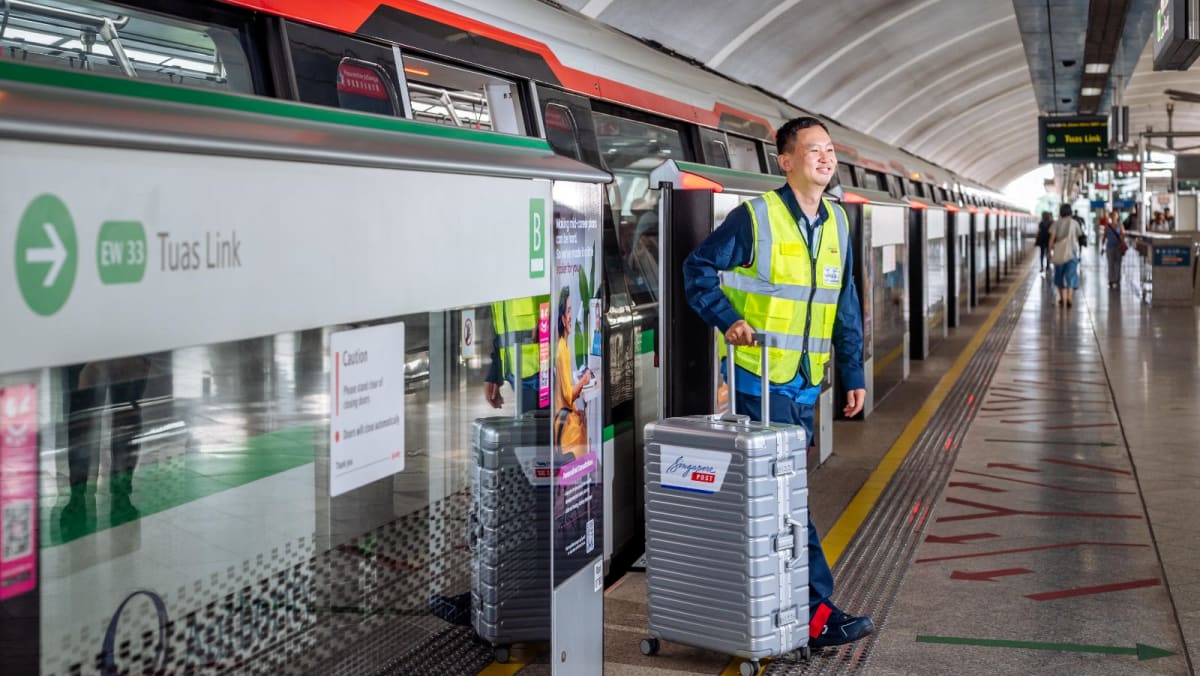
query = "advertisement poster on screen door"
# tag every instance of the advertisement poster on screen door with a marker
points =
(576, 378)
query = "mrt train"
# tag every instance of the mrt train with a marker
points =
(369, 151)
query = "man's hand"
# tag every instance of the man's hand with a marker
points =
(740, 334)
(854, 402)
(491, 392)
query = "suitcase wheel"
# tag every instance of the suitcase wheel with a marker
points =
(649, 646)
(502, 654)
(749, 668)
(806, 653)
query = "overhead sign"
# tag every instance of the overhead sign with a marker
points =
(1076, 139)
(77, 258)
(1128, 167)
(366, 421)
(1176, 34)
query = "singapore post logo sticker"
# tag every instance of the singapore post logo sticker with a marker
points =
(692, 469)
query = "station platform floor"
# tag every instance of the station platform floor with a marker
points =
(1025, 503)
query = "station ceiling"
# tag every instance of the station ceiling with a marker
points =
(958, 82)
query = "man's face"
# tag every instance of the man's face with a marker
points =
(812, 158)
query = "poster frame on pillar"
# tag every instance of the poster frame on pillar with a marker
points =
(577, 483)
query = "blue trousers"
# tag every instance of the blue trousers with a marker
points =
(784, 410)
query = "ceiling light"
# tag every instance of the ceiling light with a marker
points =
(1097, 68)
(1090, 91)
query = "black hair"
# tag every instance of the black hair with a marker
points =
(564, 306)
(787, 133)
(1064, 210)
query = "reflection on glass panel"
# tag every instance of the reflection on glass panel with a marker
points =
(631, 149)
(203, 477)
(889, 315)
(935, 298)
(103, 38)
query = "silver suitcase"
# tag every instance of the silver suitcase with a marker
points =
(726, 533)
(509, 530)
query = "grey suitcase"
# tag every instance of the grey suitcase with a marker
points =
(509, 530)
(726, 534)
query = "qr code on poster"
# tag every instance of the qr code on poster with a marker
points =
(17, 519)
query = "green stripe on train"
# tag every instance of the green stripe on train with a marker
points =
(105, 84)
(170, 483)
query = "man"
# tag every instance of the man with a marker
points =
(781, 264)
(516, 323)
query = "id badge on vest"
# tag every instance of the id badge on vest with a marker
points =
(833, 275)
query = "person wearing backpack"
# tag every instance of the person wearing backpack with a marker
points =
(1064, 248)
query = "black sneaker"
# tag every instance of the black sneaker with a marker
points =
(453, 609)
(841, 628)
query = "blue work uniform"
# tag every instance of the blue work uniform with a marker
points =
(732, 245)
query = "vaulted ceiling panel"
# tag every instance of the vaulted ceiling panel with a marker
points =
(948, 80)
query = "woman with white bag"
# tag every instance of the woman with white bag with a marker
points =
(1064, 253)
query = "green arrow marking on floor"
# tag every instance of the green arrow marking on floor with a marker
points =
(1052, 443)
(46, 255)
(1143, 652)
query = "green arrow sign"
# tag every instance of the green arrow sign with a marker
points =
(46, 254)
(1143, 652)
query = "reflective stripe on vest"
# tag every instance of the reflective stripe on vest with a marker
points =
(516, 324)
(790, 291)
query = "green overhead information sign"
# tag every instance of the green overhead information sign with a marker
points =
(1073, 139)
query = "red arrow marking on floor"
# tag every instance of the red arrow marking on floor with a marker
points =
(988, 575)
(992, 510)
(1068, 489)
(1022, 550)
(1019, 468)
(958, 539)
(976, 486)
(1099, 468)
(1101, 589)
(1061, 380)
(1079, 427)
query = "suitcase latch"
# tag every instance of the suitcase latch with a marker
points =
(786, 617)
(786, 542)
(784, 468)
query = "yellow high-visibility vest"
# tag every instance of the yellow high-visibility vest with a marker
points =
(516, 323)
(790, 293)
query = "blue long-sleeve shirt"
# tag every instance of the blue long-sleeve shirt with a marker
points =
(732, 245)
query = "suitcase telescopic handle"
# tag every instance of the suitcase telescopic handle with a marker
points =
(730, 369)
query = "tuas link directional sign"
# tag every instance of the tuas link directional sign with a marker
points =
(1076, 139)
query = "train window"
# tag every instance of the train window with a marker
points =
(343, 72)
(102, 38)
(561, 132)
(716, 152)
(917, 188)
(561, 110)
(631, 149)
(461, 97)
(845, 175)
(773, 163)
(873, 180)
(743, 154)
(895, 186)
